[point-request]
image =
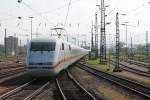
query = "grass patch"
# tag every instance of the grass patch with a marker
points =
(123, 74)
(100, 66)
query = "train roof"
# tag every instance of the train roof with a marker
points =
(52, 39)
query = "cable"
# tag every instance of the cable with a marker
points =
(133, 10)
(110, 12)
(36, 12)
(67, 13)
(41, 13)
(63, 6)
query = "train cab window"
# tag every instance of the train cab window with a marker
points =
(69, 47)
(43, 46)
(62, 46)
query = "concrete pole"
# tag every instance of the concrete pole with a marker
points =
(5, 43)
(31, 26)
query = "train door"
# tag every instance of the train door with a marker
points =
(63, 55)
(70, 56)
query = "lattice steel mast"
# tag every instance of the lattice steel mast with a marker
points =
(102, 36)
(117, 43)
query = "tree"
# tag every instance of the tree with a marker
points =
(140, 49)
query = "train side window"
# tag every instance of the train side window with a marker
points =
(69, 47)
(62, 46)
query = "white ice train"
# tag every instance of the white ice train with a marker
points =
(49, 56)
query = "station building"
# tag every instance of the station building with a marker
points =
(11, 44)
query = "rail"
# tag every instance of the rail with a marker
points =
(6, 95)
(82, 90)
(23, 87)
(136, 87)
(133, 70)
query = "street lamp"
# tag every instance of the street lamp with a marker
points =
(19, 17)
(126, 24)
(19, 1)
(31, 26)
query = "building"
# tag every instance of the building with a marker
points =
(11, 44)
(1, 48)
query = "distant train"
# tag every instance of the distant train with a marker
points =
(49, 56)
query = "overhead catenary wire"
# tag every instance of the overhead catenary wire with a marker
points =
(58, 8)
(109, 12)
(137, 8)
(133, 10)
(130, 12)
(67, 12)
(28, 6)
(12, 17)
(41, 13)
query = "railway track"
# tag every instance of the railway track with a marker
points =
(70, 89)
(138, 88)
(11, 72)
(10, 66)
(26, 91)
(133, 70)
(141, 60)
(12, 61)
(9, 69)
(139, 63)
(139, 72)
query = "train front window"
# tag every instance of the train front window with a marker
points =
(43, 46)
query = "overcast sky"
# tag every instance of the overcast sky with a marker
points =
(49, 13)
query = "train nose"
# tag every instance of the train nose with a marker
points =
(41, 72)
(38, 58)
(41, 63)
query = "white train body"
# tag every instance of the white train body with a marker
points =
(49, 56)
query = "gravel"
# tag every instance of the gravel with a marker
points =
(103, 88)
